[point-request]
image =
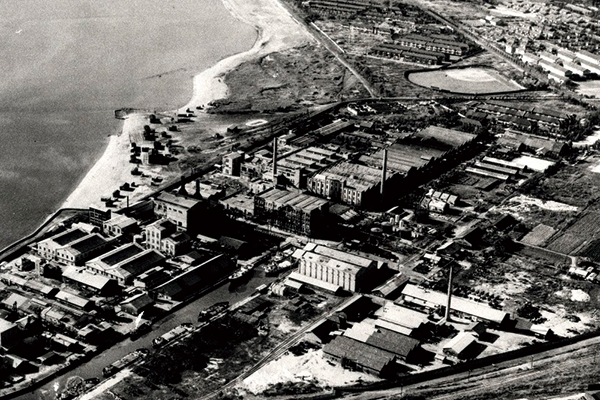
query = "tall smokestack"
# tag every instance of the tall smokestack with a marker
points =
(197, 194)
(275, 160)
(448, 304)
(383, 172)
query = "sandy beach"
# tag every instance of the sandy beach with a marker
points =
(277, 30)
(111, 170)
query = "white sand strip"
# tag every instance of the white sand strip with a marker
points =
(278, 30)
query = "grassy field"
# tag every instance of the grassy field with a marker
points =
(468, 80)
(290, 80)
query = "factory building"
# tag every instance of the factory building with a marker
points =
(124, 263)
(232, 163)
(292, 211)
(47, 248)
(350, 183)
(460, 306)
(348, 271)
(81, 249)
(163, 236)
(180, 210)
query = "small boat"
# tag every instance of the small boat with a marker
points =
(169, 336)
(240, 273)
(123, 362)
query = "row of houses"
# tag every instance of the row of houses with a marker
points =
(450, 46)
(523, 118)
(416, 55)
(561, 64)
(348, 8)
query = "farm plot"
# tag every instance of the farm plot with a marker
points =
(566, 244)
(592, 250)
(587, 226)
(539, 235)
(584, 229)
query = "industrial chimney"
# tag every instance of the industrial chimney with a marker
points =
(383, 172)
(197, 194)
(448, 304)
(275, 161)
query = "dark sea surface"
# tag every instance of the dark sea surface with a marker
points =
(66, 65)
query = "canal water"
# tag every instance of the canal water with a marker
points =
(188, 313)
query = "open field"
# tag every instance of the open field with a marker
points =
(572, 185)
(464, 80)
(589, 88)
(289, 80)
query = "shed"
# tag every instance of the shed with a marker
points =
(137, 304)
(392, 287)
(95, 283)
(460, 345)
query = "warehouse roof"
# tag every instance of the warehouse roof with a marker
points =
(450, 137)
(401, 315)
(5, 325)
(120, 254)
(86, 244)
(79, 275)
(296, 200)
(65, 238)
(180, 201)
(362, 354)
(460, 304)
(73, 299)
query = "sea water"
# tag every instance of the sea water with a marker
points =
(66, 65)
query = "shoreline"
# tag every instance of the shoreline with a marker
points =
(277, 30)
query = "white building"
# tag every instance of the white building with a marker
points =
(336, 267)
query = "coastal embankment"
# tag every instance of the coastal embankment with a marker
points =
(277, 30)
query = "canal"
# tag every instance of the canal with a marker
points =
(188, 313)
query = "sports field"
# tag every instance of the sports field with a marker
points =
(465, 80)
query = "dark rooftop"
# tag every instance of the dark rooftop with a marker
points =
(89, 243)
(142, 263)
(123, 254)
(393, 342)
(360, 353)
(68, 237)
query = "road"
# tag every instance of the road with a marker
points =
(337, 52)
